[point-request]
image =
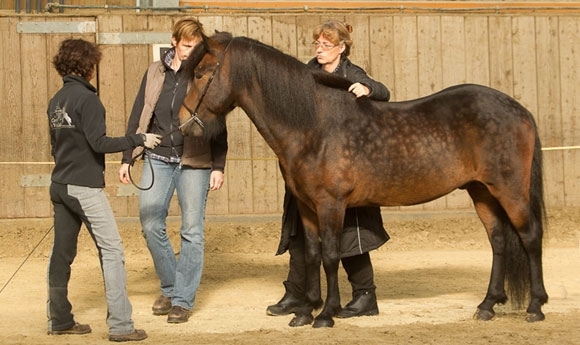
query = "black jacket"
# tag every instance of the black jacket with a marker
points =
(362, 232)
(78, 135)
(354, 73)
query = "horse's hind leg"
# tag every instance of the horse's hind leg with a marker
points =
(515, 232)
(538, 291)
(493, 218)
(527, 221)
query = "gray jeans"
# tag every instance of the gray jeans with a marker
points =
(73, 206)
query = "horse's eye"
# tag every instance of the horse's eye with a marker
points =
(198, 75)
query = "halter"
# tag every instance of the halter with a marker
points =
(193, 113)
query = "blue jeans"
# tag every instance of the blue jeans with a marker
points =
(74, 205)
(179, 278)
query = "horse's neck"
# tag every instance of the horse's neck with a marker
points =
(272, 133)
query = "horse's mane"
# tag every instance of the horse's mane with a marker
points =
(287, 85)
(330, 79)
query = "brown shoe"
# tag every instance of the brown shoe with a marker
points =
(178, 315)
(137, 335)
(162, 305)
(76, 329)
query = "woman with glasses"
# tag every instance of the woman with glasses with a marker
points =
(363, 226)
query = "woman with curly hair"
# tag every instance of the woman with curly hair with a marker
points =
(79, 143)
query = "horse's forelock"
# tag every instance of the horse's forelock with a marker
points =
(195, 57)
(207, 45)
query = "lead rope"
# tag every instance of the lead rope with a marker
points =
(145, 154)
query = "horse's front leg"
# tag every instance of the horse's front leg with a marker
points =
(303, 315)
(330, 231)
(330, 260)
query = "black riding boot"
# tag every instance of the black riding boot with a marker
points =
(287, 305)
(363, 304)
(360, 275)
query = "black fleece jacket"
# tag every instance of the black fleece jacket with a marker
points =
(78, 135)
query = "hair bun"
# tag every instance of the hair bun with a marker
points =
(348, 27)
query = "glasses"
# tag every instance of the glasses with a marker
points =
(324, 46)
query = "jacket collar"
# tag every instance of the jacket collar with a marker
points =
(71, 78)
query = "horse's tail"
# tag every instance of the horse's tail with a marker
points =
(517, 264)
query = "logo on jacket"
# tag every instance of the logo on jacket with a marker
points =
(60, 119)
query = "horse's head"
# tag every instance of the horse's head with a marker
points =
(208, 98)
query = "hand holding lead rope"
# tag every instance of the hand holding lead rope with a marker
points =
(151, 141)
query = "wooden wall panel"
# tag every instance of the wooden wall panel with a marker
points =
(429, 55)
(525, 64)
(548, 115)
(453, 64)
(381, 54)
(304, 39)
(500, 54)
(36, 197)
(34, 118)
(532, 57)
(406, 54)
(477, 61)
(35, 69)
(360, 52)
(569, 62)
(12, 196)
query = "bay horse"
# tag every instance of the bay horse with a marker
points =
(336, 151)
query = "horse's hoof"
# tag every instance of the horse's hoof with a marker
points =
(320, 323)
(301, 320)
(535, 317)
(483, 315)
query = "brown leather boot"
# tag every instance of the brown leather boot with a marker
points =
(162, 305)
(137, 335)
(76, 329)
(178, 315)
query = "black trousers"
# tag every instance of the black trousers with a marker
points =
(358, 268)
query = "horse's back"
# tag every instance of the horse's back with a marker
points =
(465, 133)
(460, 98)
(470, 110)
